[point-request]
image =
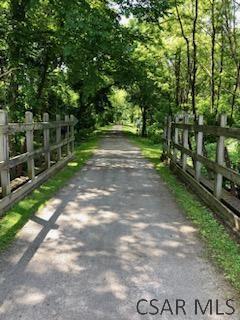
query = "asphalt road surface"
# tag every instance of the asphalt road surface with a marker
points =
(113, 236)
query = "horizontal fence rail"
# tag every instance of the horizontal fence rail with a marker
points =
(63, 133)
(177, 146)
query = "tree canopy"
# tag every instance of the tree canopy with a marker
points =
(75, 55)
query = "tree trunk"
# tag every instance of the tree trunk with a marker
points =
(219, 87)
(235, 92)
(18, 16)
(43, 78)
(213, 56)
(189, 75)
(177, 76)
(194, 61)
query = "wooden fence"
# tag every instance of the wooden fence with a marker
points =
(179, 149)
(9, 194)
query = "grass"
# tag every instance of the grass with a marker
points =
(223, 250)
(19, 214)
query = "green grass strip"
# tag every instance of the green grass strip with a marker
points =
(224, 251)
(19, 214)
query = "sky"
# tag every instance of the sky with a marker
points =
(124, 20)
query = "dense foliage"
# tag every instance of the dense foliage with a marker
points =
(194, 53)
(60, 56)
(78, 56)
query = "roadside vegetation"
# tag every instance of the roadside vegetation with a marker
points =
(223, 250)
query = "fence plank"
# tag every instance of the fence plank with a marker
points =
(29, 127)
(199, 150)
(13, 128)
(67, 134)
(211, 130)
(72, 120)
(4, 155)
(215, 167)
(29, 143)
(46, 140)
(169, 134)
(58, 138)
(176, 132)
(220, 159)
(13, 162)
(216, 196)
(224, 213)
(21, 192)
(185, 143)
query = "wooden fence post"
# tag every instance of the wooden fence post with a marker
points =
(29, 143)
(58, 137)
(220, 159)
(4, 155)
(46, 140)
(185, 143)
(67, 134)
(176, 131)
(72, 118)
(199, 149)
